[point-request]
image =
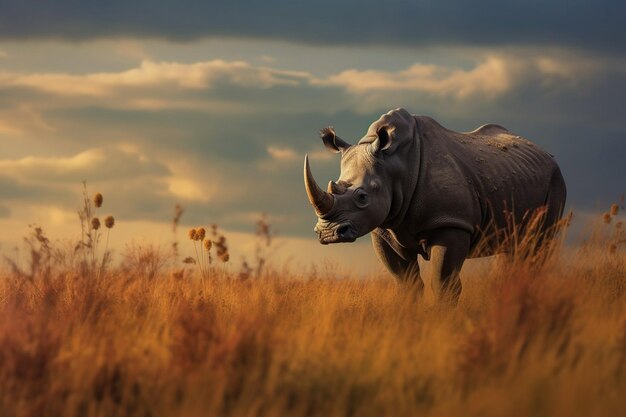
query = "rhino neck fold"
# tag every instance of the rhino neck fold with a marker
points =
(397, 215)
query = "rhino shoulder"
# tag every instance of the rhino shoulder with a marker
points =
(490, 128)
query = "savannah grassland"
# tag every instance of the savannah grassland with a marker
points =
(147, 338)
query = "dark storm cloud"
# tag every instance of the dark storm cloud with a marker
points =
(576, 23)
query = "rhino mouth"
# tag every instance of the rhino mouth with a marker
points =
(338, 233)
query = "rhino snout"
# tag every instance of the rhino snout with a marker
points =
(336, 233)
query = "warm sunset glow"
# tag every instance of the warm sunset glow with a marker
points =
(321, 208)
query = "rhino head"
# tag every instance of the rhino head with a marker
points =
(371, 188)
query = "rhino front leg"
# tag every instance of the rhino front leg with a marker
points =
(406, 273)
(448, 249)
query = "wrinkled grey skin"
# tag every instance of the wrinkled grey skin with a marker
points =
(422, 189)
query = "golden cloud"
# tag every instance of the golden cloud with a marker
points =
(282, 154)
(492, 76)
(97, 163)
(149, 74)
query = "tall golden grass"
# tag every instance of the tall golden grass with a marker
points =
(143, 339)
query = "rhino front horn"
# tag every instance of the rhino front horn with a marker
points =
(321, 200)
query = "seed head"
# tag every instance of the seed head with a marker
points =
(619, 225)
(95, 223)
(109, 221)
(192, 234)
(97, 200)
(200, 233)
(189, 260)
(225, 257)
(614, 209)
(606, 218)
(612, 248)
(207, 244)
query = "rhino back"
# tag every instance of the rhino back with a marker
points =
(468, 180)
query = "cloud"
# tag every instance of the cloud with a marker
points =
(150, 74)
(224, 87)
(226, 138)
(135, 182)
(491, 76)
(20, 118)
(186, 189)
(15, 190)
(282, 154)
(93, 164)
(592, 25)
(7, 128)
(144, 184)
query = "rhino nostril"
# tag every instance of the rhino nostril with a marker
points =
(343, 229)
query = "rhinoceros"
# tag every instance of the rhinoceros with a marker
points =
(424, 190)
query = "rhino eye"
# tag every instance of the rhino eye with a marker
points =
(362, 199)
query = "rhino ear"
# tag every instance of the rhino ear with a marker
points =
(392, 131)
(332, 142)
(383, 139)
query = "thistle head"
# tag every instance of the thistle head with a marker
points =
(97, 200)
(95, 223)
(109, 222)
(192, 234)
(200, 233)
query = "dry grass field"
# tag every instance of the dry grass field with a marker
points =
(147, 339)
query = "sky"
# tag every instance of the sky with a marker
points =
(213, 105)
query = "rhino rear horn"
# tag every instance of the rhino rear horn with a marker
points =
(321, 201)
(335, 188)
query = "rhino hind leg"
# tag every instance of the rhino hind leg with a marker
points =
(406, 272)
(449, 248)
